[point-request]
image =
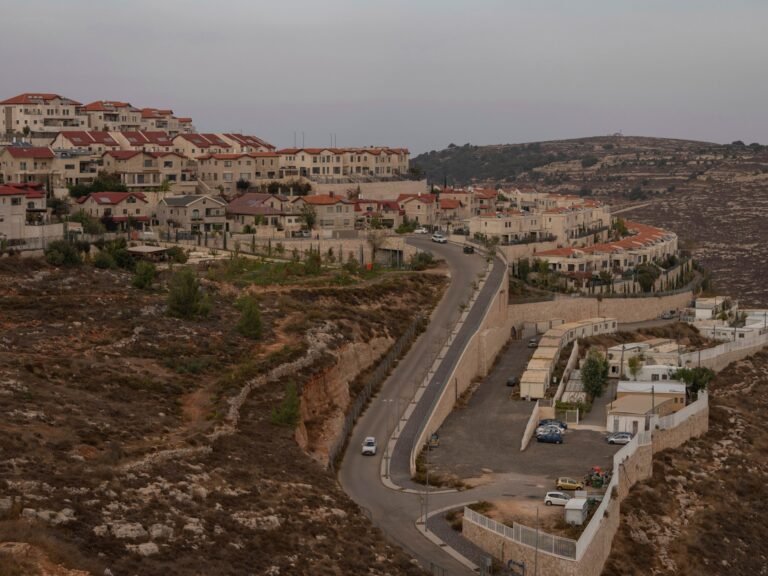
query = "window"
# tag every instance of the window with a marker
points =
(228, 164)
(168, 164)
(147, 163)
(15, 201)
(654, 377)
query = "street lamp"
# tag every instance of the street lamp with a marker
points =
(388, 403)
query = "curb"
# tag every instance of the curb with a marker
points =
(435, 539)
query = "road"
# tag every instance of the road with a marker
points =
(392, 511)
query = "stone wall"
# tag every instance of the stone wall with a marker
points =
(696, 425)
(624, 310)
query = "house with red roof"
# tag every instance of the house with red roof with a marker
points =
(148, 141)
(383, 213)
(244, 144)
(328, 164)
(419, 208)
(332, 211)
(120, 210)
(195, 145)
(26, 164)
(193, 212)
(40, 116)
(155, 119)
(94, 142)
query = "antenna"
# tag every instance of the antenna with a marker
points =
(294, 138)
(302, 139)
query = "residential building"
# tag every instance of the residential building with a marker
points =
(94, 142)
(333, 212)
(154, 119)
(24, 164)
(343, 163)
(245, 144)
(386, 213)
(21, 206)
(194, 213)
(112, 116)
(637, 412)
(224, 171)
(147, 141)
(194, 145)
(141, 170)
(260, 214)
(419, 208)
(39, 116)
(121, 210)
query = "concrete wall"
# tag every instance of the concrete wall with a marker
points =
(720, 356)
(623, 309)
(530, 428)
(476, 360)
(516, 251)
(374, 190)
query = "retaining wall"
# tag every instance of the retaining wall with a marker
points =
(571, 309)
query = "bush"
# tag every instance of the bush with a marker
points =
(422, 260)
(104, 260)
(145, 275)
(62, 253)
(177, 254)
(186, 299)
(287, 414)
(250, 318)
(90, 224)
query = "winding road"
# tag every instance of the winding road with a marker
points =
(396, 511)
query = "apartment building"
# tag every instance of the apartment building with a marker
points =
(139, 169)
(194, 213)
(223, 171)
(419, 208)
(154, 119)
(23, 164)
(112, 116)
(39, 117)
(510, 226)
(21, 205)
(331, 163)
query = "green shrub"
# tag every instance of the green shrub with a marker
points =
(287, 414)
(186, 298)
(62, 253)
(250, 318)
(177, 254)
(145, 275)
(104, 260)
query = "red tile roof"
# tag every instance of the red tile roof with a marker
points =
(204, 140)
(105, 105)
(425, 198)
(36, 98)
(31, 190)
(247, 140)
(111, 198)
(86, 138)
(123, 154)
(321, 199)
(449, 203)
(24, 152)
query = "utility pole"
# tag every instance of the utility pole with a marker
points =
(536, 555)
(426, 494)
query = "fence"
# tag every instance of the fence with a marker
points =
(374, 381)
(547, 543)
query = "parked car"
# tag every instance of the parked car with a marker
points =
(469, 249)
(556, 498)
(619, 438)
(513, 381)
(551, 438)
(439, 238)
(421, 230)
(668, 315)
(533, 342)
(369, 446)
(460, 231)
(542, 430)
(553, 422)
(434, 441)
(565, 483)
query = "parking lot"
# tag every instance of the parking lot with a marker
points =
(483, 437)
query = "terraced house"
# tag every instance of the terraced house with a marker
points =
(118, 210)
(334, 163)
(224, 171)
(139, 170)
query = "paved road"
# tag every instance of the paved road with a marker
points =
(395, 513)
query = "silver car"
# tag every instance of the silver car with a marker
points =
(619, 438)
(369, 446)
(556, 498)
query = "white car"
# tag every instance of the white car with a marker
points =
(369, 446)
(551, 429)
(439, 238)
(556, 499)
(619, 438)
(421, 230)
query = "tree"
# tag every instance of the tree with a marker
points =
(606, 278)
(104, 182)
(186, 298)
(90, 224)
(523, 269)
(58, 206)
(249, 324)
(242, 185)
(646, 275)
(287, 414)
(62, 253)
(594, 374)
(634, 365)
(145, 275)
(620, 228)
(695, 379)
(309, 216)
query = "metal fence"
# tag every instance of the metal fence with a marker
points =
(373, 382)
(546, 543)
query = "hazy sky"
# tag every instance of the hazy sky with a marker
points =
(416, 73)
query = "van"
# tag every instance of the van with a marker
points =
(533, 342)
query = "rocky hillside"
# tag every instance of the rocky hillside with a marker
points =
(145, 444)
(703, 511)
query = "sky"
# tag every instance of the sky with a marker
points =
(415, 73)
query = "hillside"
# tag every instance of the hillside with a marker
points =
(133, 442)
(714, 196)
